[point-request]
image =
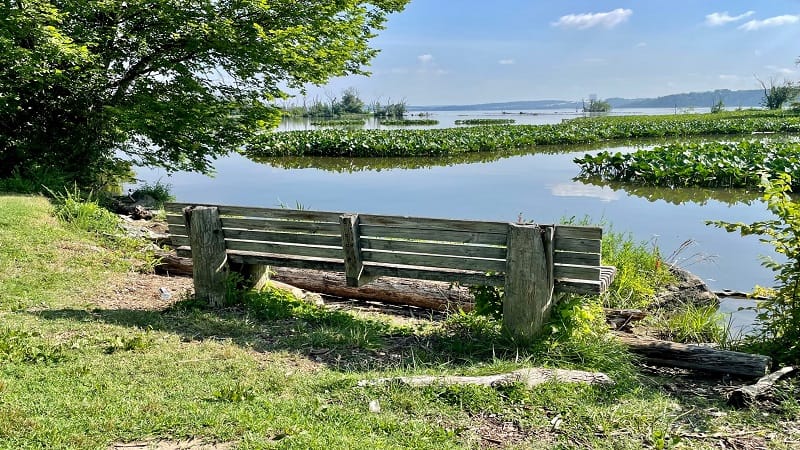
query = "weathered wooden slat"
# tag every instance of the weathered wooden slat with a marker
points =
(588, 287)
(577, 272)
(179, 241)
(464, 237)
(284, 249)
(422, 273)
(177, 229)
(607, 274)
(300, 262)
(434, 224)
(174, 220)
(265, 213)
(293, 238)
(578, 245)
(475, 251)
(332, 229)
(438, 261)
(581, 259)
(585, 287)
(578, 232)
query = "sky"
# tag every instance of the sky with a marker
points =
(455, 52)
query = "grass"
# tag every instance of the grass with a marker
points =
(274, 372)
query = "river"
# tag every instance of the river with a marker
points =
(539, 186)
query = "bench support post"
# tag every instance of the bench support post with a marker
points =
(210, 270)
(353, 264)
(529, 279)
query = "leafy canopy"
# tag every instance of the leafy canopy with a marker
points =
(87, 85)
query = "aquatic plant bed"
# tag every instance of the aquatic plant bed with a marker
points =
(448, 141)
(485, 121)
(337, 122)
(714, 164)
(409, 122)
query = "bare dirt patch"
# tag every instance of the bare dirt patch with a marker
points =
(139, 291)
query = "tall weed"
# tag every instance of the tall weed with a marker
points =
(778, 333)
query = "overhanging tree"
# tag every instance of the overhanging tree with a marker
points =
(86, 86)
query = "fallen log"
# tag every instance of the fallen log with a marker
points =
(171, 264)
(528, 377)
(746, 395)
(696, 357)
(400, 291)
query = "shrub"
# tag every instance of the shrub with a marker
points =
(779, 315)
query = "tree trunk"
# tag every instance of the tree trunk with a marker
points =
(696, 357)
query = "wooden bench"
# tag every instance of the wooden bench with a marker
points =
(531, 262)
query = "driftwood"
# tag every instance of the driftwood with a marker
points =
(528, 377)
(171, 264)
(696, 357)
(746, 395)
(621, 319)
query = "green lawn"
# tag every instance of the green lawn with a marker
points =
(278, 373)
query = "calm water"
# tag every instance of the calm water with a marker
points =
(524, 117)
(539, 186)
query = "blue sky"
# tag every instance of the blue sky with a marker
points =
(468, 51)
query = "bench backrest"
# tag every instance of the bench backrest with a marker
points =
(463, 251)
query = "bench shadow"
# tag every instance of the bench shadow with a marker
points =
(342, 340)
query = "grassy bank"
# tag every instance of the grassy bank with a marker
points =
(80, 371)
(448, 141)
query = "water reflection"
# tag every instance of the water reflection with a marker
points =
(677, 196)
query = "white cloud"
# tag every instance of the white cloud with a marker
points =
(781, 70)
(718, 19)
(602, 193)
(606, 20)
(641, 45)
(777, 21)
(726, 77)
(505, 62)
(426, 58)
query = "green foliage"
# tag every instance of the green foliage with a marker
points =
(160, 192)
(409, 122)
(351, 103)
(91, 86)
(776, 95)
(779, 316)
(484, 121)
(84, 212)
(337, 122)
(597, 106)
(693, 324)
(711, 164)
(718, 107)
(452, 141)
(488, 300)
(21, 346)
(138, 342)
(390, 110)
(38, 180)
(233, 393)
